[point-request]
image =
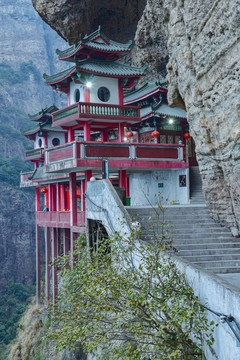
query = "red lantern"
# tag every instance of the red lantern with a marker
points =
(99, 140)
(44, 190)
(155, 134)
(129, 134)
(186, 136)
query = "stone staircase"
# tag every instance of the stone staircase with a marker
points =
(196, 236)
(196, 194)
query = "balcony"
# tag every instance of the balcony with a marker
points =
(81, 156)
(93, 111)
(59, 219)
(34, 154)
(25, 181)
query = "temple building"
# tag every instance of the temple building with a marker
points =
(108, 129)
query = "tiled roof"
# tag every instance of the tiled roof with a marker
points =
(97, 67)
(146, 89)
(41, 126)
(164, 109)
(47, 111)
(88, 41)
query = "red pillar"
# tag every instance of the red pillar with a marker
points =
(45, 141)
(47, 264)
(47, 195)
(66, 241)
(121, 132)
(38, 265)
(87, 133)
(54, 267)
(71, 136)
(58, 197)
(120, 92)
(72, 246)
(88, 175)
(73, 199)
(37, 199)
(104, 135)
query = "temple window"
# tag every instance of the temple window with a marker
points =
(103, 94)
(40, 142)
(77, 95)
(55, 142)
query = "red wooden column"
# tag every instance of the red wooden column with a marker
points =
(73, 199)
(122, 179)
(88, 175)
(37, 192)
(66, 241)
(104, 135)
(71, 136)
(47, 264)
(58, 197)
(38, 265)
(121, 132)
(87, 133)
(54, 268)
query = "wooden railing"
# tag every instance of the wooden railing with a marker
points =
(59, 218)
(132, 153)
(85, 109)
(34, 154)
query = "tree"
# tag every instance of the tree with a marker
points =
(129, 303)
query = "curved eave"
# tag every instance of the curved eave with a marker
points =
(145, 96)
(160, 115)
(82, 46)
(94, 72)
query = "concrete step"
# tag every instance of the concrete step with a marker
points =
(218, 264)
(206, 246)
(210, 251)
(213, 258)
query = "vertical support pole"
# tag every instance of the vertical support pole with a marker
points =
(122, 180)
(54, 267)
(37, 199)
(87, 133)
(83, 200)
(120, 92)
(45, 141)
(71, 136)
(121, 132)
(72, 245)
(47, 196)
(47, 264)
(38, 265)
(36, 165)
(104, 136)
(66, 241)
(127, 187)
(59, 241)
(73, 199)
(58, 197)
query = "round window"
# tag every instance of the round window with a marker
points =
(77, 95)
(103, 94)
(56, 142)
(40, 142)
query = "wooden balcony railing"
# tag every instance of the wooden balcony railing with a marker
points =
(91, 154)
(59, 218)
(34, 154)
(85, 110)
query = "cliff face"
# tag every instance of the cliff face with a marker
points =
(69, 18)
(203, 71)
(201, 38)
(27, 50)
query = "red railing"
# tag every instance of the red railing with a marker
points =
(34, 154)
(59, 218)
(85, 110)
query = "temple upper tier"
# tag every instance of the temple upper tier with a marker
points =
(96, 45)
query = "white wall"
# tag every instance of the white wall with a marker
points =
(36, 145)
(52, 135)
(73, 88)
(144, 190)
(110, 83)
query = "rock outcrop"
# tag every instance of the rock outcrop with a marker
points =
(201, 38)
(69, 18)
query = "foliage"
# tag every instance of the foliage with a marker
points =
(129, 303)
(10, 170)
(13, 303)
(12, 76)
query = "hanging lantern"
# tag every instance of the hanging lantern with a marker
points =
(99, 140)
(129, 134)
(155, 134)
(186, 136)
(44, 190)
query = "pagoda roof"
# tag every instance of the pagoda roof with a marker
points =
(97, 67)
(163, 110)
(43, 114)
(95, 41)
(46, 126)
(147, 90)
